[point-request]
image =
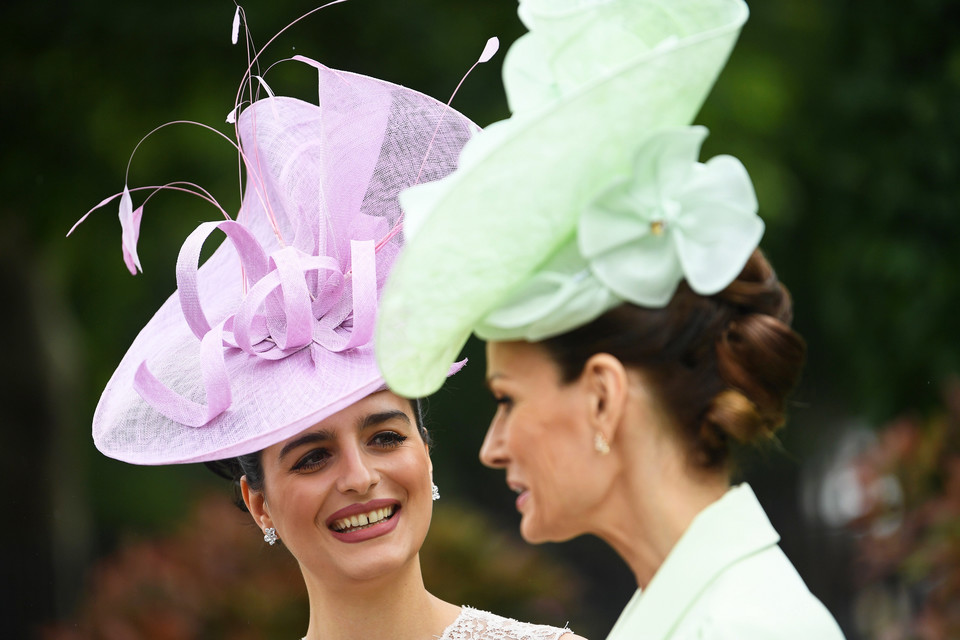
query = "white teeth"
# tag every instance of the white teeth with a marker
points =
(362, 520)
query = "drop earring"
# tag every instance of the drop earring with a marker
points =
(270, 536)
(434, 491)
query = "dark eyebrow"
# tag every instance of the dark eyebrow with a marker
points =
(376, 419)
(366, 422)
(307, 438)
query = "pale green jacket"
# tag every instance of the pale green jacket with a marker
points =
(726, 579)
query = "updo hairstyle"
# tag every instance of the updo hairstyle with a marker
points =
(251, 464)
(722, 366)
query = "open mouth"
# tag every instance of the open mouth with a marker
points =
(362, 521)
(515, 487)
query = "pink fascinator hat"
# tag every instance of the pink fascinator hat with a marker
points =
(274, 332)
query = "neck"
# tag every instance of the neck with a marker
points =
(395, 606)
(652, 502)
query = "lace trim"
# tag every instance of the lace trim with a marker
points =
(474, 624)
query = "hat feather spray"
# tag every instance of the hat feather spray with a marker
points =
(273, 332)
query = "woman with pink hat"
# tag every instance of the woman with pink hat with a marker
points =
(635, 332)
(262, 363)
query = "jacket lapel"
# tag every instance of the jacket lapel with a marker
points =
(724, 533)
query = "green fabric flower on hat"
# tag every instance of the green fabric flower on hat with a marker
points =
(673, 218)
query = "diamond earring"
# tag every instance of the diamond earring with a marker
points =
(435, 491)
(600, 444)
(270, 536)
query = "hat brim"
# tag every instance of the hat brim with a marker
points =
(328, 170)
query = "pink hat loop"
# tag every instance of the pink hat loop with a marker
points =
(364, 271)
(281, 326)
(274, 331)
(215, 382)
(252, 257)
(290, 317)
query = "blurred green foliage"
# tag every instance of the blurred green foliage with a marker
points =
(845, 114)
(844, 111)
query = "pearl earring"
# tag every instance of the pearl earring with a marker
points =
(434, 491)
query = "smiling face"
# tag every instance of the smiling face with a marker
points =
(350, 497)
(542, 436)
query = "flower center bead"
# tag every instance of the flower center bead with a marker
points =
(656, 227)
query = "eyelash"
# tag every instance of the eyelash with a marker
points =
(308, 463)
(382, 440)
(388, 439)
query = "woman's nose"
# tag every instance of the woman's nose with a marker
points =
(492, 452)
(356, 472)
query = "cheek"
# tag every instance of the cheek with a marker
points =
(552, 451)
(562, 462)
(411, 470)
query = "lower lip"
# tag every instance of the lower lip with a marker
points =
(382, 528)
(522, 499)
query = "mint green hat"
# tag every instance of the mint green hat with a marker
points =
(589, 195)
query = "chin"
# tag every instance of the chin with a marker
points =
(535, 532)
(540, 532)
(378, 568)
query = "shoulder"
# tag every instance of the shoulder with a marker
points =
(475, 624)
(761, 596)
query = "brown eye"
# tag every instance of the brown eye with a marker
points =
(504, 404)
(388, 439)
(313, 459)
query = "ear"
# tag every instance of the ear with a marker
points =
(426, 448)
(256, 503)
(606, 383)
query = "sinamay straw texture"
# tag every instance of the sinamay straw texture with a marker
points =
(587, 86)
(329, 175)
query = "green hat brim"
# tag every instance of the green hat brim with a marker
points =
(516, 197)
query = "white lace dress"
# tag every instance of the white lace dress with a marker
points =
(474, 624)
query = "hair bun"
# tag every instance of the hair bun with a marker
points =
(734, 414)
(758, 354)
(730, 415)
(757, 290)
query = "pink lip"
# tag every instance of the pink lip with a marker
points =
(364, 507)
(382, 528)
(522, 499)
(524, 494)
(375, 531)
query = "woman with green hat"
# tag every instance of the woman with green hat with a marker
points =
(634, 329)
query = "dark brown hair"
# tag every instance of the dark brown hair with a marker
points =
(721, 365)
